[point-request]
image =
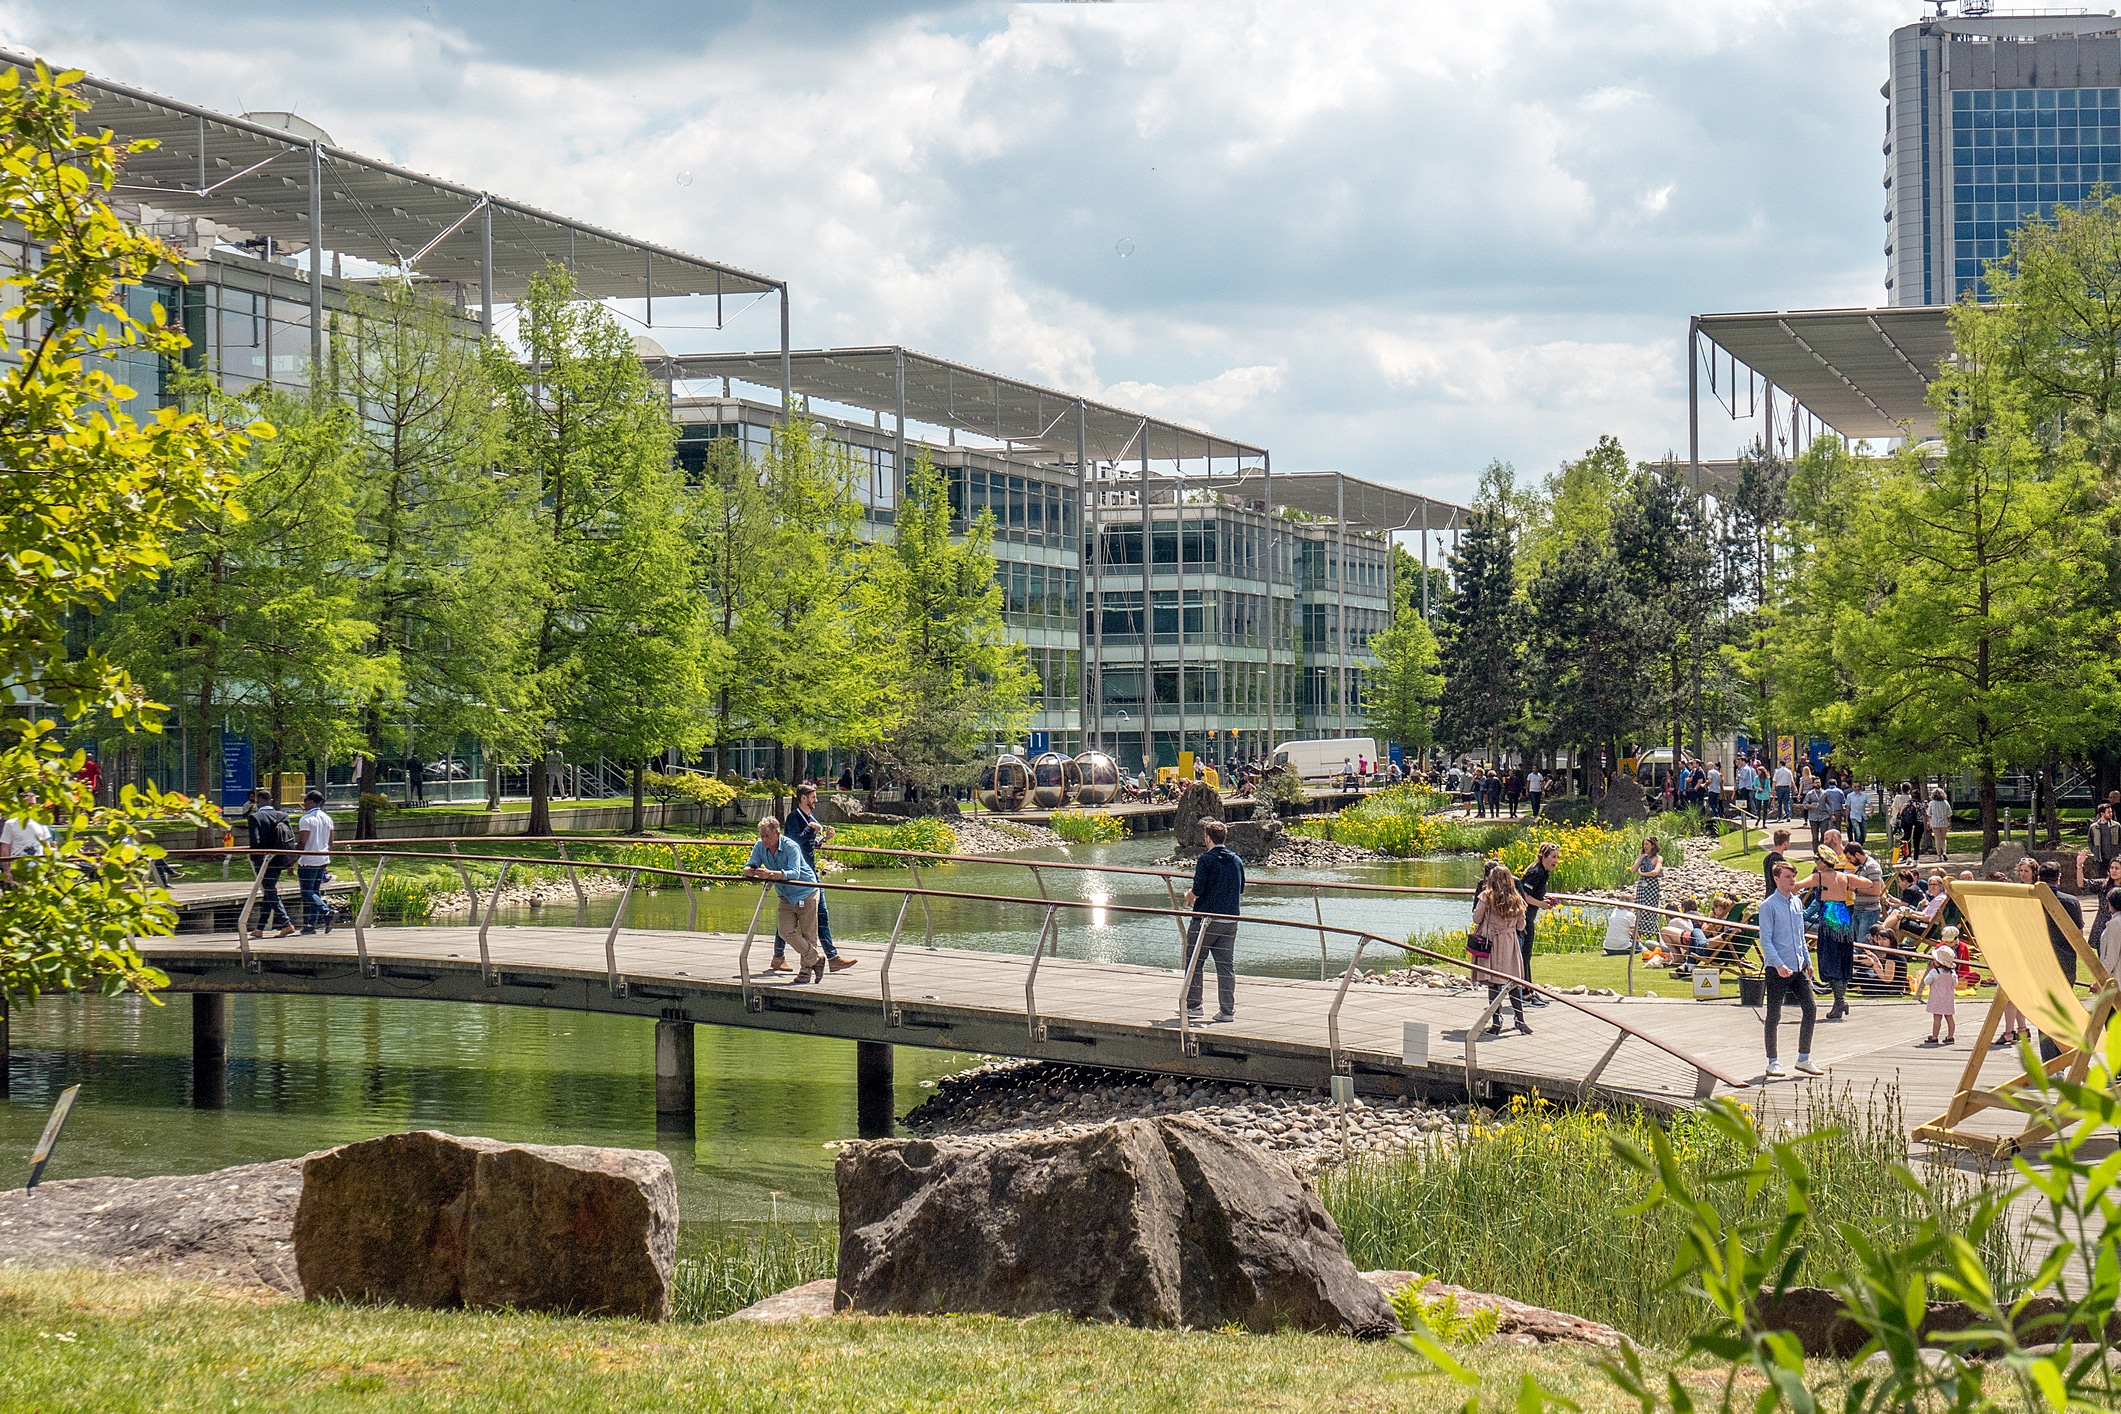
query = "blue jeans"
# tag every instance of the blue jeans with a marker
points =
(314, 909)
(1782, 802)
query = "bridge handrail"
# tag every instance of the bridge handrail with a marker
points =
(1363, 938)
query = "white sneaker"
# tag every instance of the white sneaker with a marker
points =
(1775, 1070)
(1807, 1068)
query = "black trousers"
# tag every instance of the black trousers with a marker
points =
(1797, 987)
(270, 906)
(1221, 940)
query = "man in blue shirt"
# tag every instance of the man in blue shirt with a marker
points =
(1787, 964)
(780, 859)
(809, 832)
(1218, 882)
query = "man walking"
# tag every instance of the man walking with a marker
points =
(1714, 782)
(2105, 841)
(1534, 888)
(1218, 884)
(1535, 786)
(1785, 781)
(1815, 813)
(310, 868)
(1859, 809)
(809, 832)
(272, 837)
(779, 859)
(1748, 786)
(1788, 967)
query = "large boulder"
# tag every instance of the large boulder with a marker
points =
(1253, 840)
(1200, 802)
(1152, 1223)
(434, 1220)
(1624, 803)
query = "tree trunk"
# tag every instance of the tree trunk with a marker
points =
(1991, 831)
(203, 764)
(2054, 804)
(640, 809)
(371, 782)
(540, 797)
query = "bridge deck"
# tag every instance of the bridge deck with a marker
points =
(1096, 1012)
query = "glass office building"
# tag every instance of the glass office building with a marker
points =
(1991, 120)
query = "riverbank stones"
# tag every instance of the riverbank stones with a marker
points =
(436, 1220)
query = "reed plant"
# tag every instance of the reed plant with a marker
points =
(1531, 1205)
(1087, 827)
(725, 1266)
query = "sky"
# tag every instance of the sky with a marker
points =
(1400, 240)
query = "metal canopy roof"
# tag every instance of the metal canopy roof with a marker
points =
(945, 394)
(1330, 495)
(1863, 372)
(256, 177)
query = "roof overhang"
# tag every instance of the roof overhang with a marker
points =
(256, 178)
(1863, 372)
(940, 393)
(1334, 496)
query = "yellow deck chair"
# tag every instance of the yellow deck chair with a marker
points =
(2009, 921)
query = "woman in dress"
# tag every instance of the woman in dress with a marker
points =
(1498, 925)
(1649, 887)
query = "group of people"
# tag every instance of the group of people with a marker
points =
(1492, 789)
(275, 842)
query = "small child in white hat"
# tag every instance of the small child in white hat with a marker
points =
(1938, 987)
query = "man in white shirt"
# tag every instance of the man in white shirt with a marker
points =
(1715, 784)
(1535, 786)
(21, 839)
(1785, 782)
(315, 830)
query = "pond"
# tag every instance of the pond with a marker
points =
(305, 1072)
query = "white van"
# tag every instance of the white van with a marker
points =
(1322, 760)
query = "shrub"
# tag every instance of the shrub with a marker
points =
(1086, 827)
(689, 788)
(1284, 790)
(923, 833)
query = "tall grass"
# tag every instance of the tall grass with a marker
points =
(728, 1266)
(1534, 1206)
(1087, 827)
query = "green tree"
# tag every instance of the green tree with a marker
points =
(1586, 655)
(1407, 577)
(961, 683)
(445, 563)
(1968, 621)
(1576, 503)
(1663, 541)
(1405, 686)
(588, 442)
(88, 498)
(1478, 636)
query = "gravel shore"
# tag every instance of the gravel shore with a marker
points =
(1007, 1100)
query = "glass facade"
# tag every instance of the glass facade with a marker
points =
(2017, 153)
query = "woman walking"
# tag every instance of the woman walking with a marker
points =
(1498, 919)
(1649, 888)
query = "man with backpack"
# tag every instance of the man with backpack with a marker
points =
(273, 842)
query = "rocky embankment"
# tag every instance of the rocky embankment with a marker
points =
(976, 836)
(1003, 1101)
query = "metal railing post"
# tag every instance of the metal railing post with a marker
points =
(752, 1001)
(486, 971)
(250, 902)
(360, 918)
(1187, 1045)
(1038, 1028)
(581, 899)
(611, 938)
(891, 1013)
(1333, 1062)
(1590, 1078)
(1318, 910)
(927, 914)
(692, 904)
(1177, 920)
(464, 871)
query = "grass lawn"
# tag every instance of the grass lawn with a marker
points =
(87, 1341)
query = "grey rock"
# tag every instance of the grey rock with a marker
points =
(810, 1300)
(1254, 840)
(1152, 1223)
(234, 1225)
(1200, 802)
(434, 1220)
(1533, 1324)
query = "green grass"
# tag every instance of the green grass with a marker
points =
(724, 1267)
(93, 1342)
(1535, 1207)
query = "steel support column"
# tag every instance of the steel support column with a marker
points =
(316, 265)
(486, 270)
(209, 1050)
(788, 363)
(898, 451)
(1693, 398)
(1148, 622)
(674, 1070)
(1266, 471)
(1083, 563)
(1340, 584)
(875, 1099)
(1425, 560)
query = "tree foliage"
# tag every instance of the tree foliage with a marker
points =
(1478, 635)
(89, 498)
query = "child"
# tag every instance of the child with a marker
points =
(1939, 986)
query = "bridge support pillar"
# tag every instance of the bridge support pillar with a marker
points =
(875, 1102)
(209, 1050)
(3, 1045)
(673, 1073)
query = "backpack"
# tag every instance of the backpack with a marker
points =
(280, 833)
(1910, 815)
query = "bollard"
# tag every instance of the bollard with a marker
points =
(875, 1101)
(673, 1074)
(209, 1050)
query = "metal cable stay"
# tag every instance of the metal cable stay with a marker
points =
(754, 998)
